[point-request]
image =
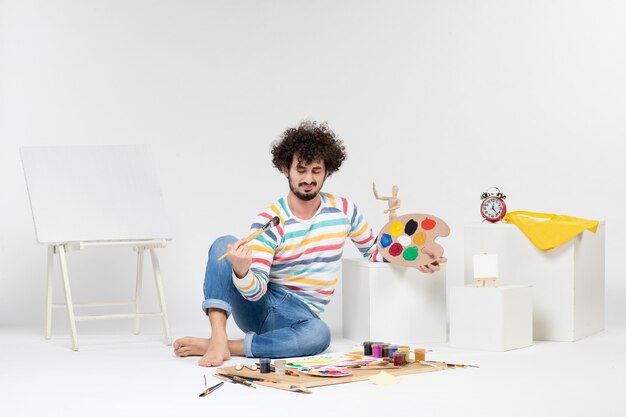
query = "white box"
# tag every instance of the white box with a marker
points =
(383, 302)
(567, 281)
(496, 319)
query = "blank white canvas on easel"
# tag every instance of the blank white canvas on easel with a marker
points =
(94, 193)
(97, 196)
(486, 266)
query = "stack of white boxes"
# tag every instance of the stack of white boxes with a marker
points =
(490, 316)
(567, 282)
(556, 295)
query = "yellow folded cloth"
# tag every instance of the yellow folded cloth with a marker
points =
(547, 231)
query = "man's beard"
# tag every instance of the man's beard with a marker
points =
(303, 196)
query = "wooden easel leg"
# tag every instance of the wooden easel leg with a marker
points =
(159, 286)
(49, 292)
(138, 286)
(68, 296)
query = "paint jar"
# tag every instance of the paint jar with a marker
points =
(392, 350)
(420, 354)
(398, 358)
(279, 366)
(264, 363)
(406, 350)
(385, 351)
(377, 351)
(367, 348)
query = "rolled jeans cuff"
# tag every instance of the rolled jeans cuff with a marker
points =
(247, 344)
(215, 303)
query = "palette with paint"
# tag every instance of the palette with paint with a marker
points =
(402, 240)
(326, 371)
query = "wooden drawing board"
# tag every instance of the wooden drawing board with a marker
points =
(94, 193)
(402, 240)
(309, 381)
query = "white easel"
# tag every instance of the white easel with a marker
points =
(97, 197)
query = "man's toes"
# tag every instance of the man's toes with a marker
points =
(180, 342)
(212, 361)
(204, 362)
(183, 351)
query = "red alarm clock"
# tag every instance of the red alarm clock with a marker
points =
(493, 207)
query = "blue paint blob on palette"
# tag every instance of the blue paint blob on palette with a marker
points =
(385, 240)
(403, 239)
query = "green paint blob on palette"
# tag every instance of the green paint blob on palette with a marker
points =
(402, 241)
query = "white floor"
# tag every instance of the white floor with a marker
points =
(123, 374)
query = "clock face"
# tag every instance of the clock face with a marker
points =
(493, 209)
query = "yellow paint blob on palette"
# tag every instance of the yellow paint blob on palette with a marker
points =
(403, 239)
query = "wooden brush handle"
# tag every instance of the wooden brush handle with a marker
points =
(248, 240)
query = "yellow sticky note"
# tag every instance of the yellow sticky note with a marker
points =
(383, 378)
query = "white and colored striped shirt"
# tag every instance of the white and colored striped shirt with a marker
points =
(304, 256)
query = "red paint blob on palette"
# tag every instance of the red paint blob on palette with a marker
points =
(402, 240)
(428, 223)
(395, 249)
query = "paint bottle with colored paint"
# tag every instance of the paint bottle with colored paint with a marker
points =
(367, 348)
(385, 351)
(280, 365)
(377, 350)
(392, 350)
(398, 358)
(265, 365)
(420, 354)
(405, 350)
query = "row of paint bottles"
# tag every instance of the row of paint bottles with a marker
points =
(387, 350)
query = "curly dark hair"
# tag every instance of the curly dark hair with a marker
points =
(311, 142)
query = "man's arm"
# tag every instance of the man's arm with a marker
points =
(361, 233)
(251, 264)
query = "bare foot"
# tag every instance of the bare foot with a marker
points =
(191, 346)
(216, 353)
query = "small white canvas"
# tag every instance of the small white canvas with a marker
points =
(486, 265)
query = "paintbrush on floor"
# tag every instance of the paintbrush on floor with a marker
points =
(234, 379)
(248, 380)
(210, 389)
(448, 365)
(272, 223)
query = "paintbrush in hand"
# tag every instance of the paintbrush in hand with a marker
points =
(274, 222)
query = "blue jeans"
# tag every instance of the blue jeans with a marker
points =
(277, 326)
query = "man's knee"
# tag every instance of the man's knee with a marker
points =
(317, 337)
(220, 245)
(324, 336)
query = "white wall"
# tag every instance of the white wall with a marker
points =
(443, 98)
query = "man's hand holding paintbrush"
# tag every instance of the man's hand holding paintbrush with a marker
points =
(240, 255)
